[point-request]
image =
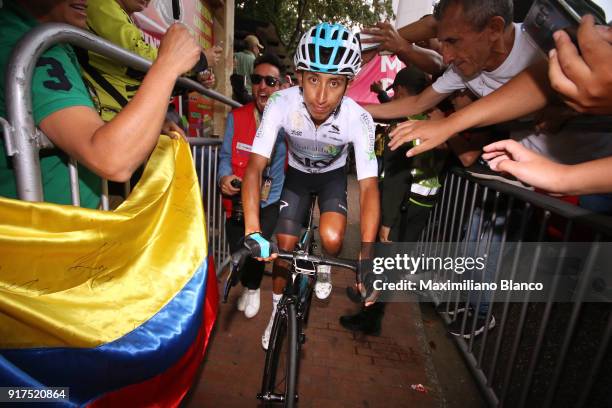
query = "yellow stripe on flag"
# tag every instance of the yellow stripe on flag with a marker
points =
(79, 277)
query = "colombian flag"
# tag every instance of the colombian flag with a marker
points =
(118, 306)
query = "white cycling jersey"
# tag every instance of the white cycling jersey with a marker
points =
(322, 149)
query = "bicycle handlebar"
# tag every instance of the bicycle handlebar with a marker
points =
(239, 257)
(342, 263)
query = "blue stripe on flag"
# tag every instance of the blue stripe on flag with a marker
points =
(145, 352)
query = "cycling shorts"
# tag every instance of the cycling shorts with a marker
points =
(330, 187)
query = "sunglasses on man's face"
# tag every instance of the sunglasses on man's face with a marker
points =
(270, 80)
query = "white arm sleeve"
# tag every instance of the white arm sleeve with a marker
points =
(449, 82)
(362, 130)
(271, 123)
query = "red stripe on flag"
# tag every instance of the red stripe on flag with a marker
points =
(170, 387)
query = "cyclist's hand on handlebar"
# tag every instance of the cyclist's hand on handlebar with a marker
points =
(260, 248)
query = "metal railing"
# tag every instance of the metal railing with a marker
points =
(205, 153)
(23, 140)
(541, 352)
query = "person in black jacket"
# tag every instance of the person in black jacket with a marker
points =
(404, 204)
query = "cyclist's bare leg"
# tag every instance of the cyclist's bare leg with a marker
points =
(332, 227)
(280, 269)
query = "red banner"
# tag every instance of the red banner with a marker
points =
(381, 68)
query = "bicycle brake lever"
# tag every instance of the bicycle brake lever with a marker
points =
(238, 259)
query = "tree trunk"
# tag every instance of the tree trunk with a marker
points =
(297, 33)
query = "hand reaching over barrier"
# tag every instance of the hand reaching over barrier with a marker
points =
(529, 167)
(428, 134)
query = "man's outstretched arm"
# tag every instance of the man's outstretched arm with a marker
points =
(526, 93)
(421, 30)
(410, 105)
(390, 40)
(528, 166)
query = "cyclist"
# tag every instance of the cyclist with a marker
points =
(319, 122)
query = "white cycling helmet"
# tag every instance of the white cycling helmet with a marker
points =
(329, 48)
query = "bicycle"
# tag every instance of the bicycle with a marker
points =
(280, 377)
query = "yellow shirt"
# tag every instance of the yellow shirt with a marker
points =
(115, 84)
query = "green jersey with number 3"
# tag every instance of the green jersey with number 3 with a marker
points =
(56, 85)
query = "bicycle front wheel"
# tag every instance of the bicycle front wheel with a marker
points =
(280, 372)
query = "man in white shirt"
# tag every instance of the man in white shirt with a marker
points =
(483, 54)
(482, 47)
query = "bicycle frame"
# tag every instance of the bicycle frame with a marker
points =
(291, 313)
(301, 280)
(306, 239)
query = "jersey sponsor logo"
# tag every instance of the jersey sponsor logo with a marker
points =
(332, 149)
(313, 148)
(283, 204)
(313, 163)
(243, 146)
(367, 128)
(335, 129)
(295, 133)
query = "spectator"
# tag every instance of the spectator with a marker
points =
(115, 83)
(409, 191)
(245, 59)
(409, 187)
(381, 94)
(239, 133)
(577, 145)
(239, 91)
(64, 110)
(238, 82)
(287, 82)
(483, 49)
(525, 94)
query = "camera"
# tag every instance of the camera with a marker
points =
(237, 209)
(547, 16)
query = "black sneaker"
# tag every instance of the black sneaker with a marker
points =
(368, 320)
(481, 170)
(455, 326)
(441, 308)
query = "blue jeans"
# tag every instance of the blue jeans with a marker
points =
(491, 231)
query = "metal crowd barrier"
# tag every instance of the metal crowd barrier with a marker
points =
(205, 153)
(540, 353)
(23, 141)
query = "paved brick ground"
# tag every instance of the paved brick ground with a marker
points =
(337, 368)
